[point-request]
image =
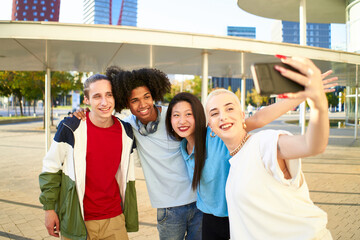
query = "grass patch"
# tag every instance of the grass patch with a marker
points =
(16, 117)
(19, 119)
(63, 107)
(333, 122)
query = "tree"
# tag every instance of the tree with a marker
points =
(332, 99)
(63, 82)
(31, 85)
(35, 90)
(194, 86)
(238, 93)
(190, 85)
(257, 99)
(14, 83)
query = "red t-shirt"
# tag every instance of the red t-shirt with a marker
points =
(103, 155)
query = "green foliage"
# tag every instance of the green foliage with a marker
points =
(190, 85)
(255, 99)
(238, 93)
(332, 99)
(5, 88)
(31, 85)
(13, 83)
(63, 82)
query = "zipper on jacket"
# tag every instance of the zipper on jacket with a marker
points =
(77, 191)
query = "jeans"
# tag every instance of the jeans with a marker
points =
(175, 223)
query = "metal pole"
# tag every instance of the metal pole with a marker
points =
(47, 101)
(356, 117)
(8, 106)
(302, 14)
(243, 82)
(340, 105)
(205, 72)
(151, 57)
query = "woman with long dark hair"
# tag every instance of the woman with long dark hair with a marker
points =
(185, 119)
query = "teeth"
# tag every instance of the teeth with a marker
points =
(143, 111)
(183, 128)
(226, 126)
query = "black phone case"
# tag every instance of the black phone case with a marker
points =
(269, 81)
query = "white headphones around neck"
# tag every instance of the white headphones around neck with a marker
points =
(150, 127)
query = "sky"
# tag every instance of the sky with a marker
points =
(194, 16)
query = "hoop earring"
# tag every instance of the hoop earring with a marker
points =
(212, 134)
(244, 125)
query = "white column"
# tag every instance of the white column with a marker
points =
(302, 22)
(243, 82)
(340, 105)
(356, 117)
(205, 72)
(47, 108)
(151, 60)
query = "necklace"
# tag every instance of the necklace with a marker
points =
(243, 141)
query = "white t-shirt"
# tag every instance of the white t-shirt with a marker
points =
(164, 168)
(262, 204)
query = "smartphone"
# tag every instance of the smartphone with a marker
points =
(269, 81)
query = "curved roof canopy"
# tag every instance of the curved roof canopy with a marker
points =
(26, 46)
(318, 11)
(39, 46)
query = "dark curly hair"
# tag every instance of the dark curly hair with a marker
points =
(123, 82)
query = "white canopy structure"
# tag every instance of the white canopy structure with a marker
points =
(50, 46)
(303, 11)
(319, 11)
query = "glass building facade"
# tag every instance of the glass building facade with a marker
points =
(111, 12)
(234, 83)
(247, 32)
(317, 34)
(35, 10)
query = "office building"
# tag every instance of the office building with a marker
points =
(35, 10)
(111, 12)
(317, 34)
(234, 83)
(247, 32)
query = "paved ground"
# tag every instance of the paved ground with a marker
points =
(333, 179)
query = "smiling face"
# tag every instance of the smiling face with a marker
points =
(182, 120)
(225, 116)
(141, 105)
(101, 100)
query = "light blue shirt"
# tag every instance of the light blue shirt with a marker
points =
(211, 197)
(165, 171)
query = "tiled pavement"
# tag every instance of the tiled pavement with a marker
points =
(333, 178)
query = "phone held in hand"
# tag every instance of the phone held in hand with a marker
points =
(269, 81)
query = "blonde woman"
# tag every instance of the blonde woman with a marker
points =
(266, 192)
